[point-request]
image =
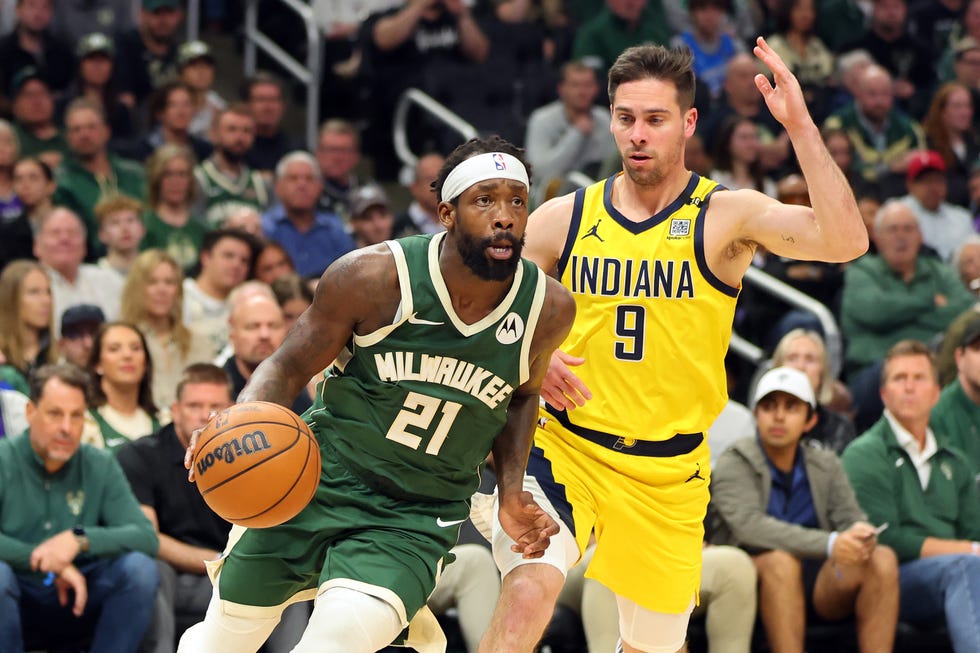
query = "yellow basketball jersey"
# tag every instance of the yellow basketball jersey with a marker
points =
(653, 322)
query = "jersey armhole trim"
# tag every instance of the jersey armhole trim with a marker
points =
(573, 228)
(405, 306)
(699, 256)
(537, 303)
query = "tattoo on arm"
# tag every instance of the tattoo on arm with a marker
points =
(788, 238)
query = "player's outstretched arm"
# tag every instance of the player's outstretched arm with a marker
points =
(521, 518)
(354, 290)
(832, 230)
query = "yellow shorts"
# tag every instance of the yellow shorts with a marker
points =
(647, 512)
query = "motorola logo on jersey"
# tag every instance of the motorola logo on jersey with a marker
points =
(510, 329)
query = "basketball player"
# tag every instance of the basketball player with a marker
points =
(654, 257)
(443, 341)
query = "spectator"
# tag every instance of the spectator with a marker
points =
(77, 18)
(791, 507)
(943, 225)
(256, 328)
(966, 63)
(338, 151)
(246, 218)
(153, 300)
(905, 475)
(33, 112)
(737, 157)
(90, 173)
(805, 351)
(120, 230)
(371, 217)
(264, 97)
(122, 404)
(26, 318)
(850, 68)
(405, 44)
(949, 130)
(148, 54)
(12, 405)
(79, 324)
(420, 217)
(226, 260)
(571, 133)
(741, 98)
(16, 238)
(195, 67)
(314, 240)
(34, 184)
(171, 109)
(908, 59)
(956, 418)
(617, 26)
(190, 532)
(734, 422)
(799, 46)
(225, 181)
(170, 224)
(696, 158)
(273, 262)
(883, 137)
(96, 546)
(60, 247)
(95, 81)
(937, 21)
(913, 295)
(294, 297)
(966, 261)
(707, 39)
(32, 44)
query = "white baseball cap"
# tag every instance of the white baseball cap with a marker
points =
(785, 379)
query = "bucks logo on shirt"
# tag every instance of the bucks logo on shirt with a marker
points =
(415, 409)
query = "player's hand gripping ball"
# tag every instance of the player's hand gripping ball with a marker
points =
(257, 464)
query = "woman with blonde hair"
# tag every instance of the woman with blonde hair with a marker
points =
(805, 350)
(153, 300)
(122, 401)
(948, 126)
(170, 224)
(26, 316)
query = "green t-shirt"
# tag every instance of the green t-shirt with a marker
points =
(182, 243)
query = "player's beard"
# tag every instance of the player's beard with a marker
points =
(474, 253)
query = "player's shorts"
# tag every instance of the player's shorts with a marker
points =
(349, 535)
(646, 502)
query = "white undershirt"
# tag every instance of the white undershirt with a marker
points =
(920, 457)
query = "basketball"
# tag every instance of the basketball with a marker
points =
(257, 464)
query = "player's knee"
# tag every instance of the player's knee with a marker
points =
(533, 588)
(348, 621)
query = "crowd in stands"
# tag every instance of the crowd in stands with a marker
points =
(158, 240)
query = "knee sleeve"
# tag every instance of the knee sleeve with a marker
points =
(222, 632)
(652, 632)
(348, 621)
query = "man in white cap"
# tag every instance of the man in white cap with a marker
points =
(445, 340)
(792, 508)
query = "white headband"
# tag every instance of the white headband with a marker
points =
(492, 165)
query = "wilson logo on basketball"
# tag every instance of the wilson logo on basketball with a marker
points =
(235, 448)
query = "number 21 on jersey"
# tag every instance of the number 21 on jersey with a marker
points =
(419, 412)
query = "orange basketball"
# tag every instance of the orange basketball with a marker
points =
(257, 464)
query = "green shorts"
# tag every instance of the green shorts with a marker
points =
(349, 535)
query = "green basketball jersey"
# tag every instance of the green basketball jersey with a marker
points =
(415, 410)
(224, 196)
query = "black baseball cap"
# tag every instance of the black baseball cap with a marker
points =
(21, 77)
(78, 316)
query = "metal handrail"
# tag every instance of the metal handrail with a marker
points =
(436, 109)
(308, 74)
(833, 340)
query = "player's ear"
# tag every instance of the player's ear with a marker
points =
(446, 213)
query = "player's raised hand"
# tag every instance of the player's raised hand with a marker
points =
(527, 524)
(561, 387)
(785, 99)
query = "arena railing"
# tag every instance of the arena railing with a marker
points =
(435, 109)
(308, 74)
